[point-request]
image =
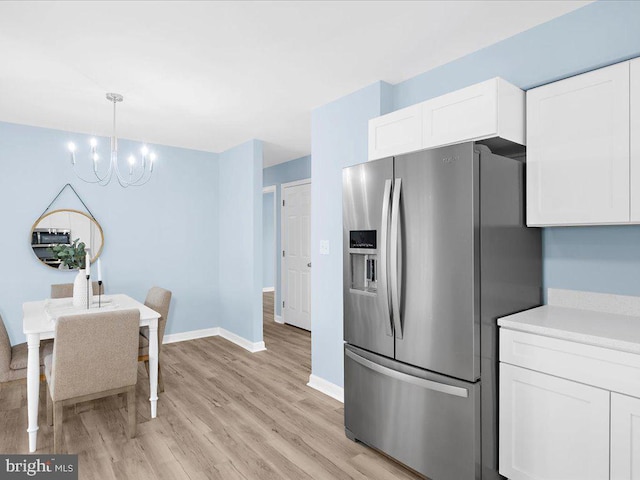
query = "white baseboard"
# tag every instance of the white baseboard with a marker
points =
(243, 342)
(268, 289)
(191, 335)
(215, 332)
(326, 387)
(278, 319)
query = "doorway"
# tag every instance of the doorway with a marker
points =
(296, 253)
(269, 238)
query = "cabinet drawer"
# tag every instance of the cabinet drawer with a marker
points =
(601, 367)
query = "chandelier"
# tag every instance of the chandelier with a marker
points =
(139, 169)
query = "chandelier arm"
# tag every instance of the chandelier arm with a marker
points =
(84, 179)
(140, 177)
(106, 177)
(140, 184)
(141, 180)
(121, 180)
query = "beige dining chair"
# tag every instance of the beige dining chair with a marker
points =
(65, 290)
(158, 299)
(13, 360)
(81, 368)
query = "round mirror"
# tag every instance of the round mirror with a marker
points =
(65, 228)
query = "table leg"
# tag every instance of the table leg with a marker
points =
(33, 388)
(153, 366)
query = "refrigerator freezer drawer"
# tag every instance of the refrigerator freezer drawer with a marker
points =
(428, 422)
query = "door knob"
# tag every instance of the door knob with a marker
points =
(309, 264)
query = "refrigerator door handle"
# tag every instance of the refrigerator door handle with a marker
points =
(393, 263)
(404, 377)
(384, 290)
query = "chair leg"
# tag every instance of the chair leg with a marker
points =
(146, 366)
(49, 409)
(131, 408)
(160, 381)
(57, 426)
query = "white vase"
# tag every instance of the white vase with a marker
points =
(80, 290)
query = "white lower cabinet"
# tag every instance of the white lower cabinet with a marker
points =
(568, 410)
(625, 437)
(552, 428)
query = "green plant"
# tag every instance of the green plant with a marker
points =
(72, 256)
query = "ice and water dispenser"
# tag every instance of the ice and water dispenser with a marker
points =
(364, 260)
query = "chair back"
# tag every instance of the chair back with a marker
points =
(65, 290)
(94, 353)
(159, 299)
(5, 352)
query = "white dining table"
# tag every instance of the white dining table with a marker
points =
(38, 323)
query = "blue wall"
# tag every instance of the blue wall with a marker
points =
(268, 240)
(240, 246)
(164, 233)
(298, 169)
(596, 35)
(339, 139)
(593, 259)
(605, 259)
(195, 229)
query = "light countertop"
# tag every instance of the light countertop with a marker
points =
(614, 331)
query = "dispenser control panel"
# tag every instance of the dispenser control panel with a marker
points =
(362, 239)
(363, 253)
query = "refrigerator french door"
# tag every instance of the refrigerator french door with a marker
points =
(419, 314)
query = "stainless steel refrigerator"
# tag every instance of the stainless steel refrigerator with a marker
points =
(435, 249)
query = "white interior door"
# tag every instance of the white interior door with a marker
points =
(296, 247)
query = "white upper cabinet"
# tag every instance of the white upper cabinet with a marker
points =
(494, 108)
(635, 139)
(395, 133)
(578, 149)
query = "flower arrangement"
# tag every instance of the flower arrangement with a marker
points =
(72, 256)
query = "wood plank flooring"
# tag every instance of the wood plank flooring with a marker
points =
(226, 414)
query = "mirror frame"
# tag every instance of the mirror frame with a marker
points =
(35, 224)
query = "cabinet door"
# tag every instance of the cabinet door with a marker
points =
(551, 428)
(625, 437)
(395, 133)
(578, 149)
(635, 139)
(466, 114)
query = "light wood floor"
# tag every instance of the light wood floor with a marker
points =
(226, 414)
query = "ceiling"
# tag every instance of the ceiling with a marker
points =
(211, 75)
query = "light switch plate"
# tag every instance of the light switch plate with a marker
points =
(324, 247)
